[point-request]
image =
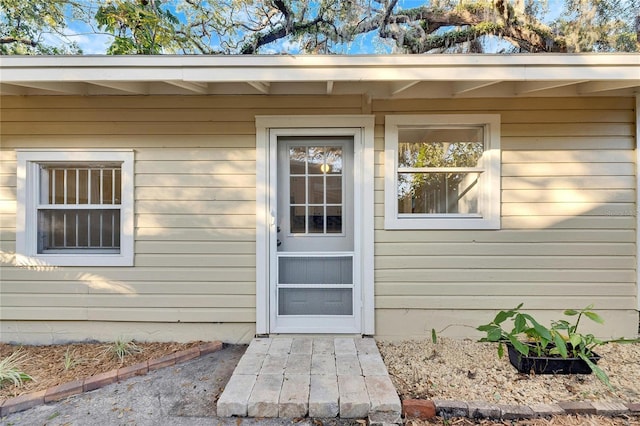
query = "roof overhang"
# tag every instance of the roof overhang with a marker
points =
(378, 77)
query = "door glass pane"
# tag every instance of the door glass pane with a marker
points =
(316, 160)
(315, 270)
(316, 190)
(297, 190)
(297, 160)
(334, 160)
(334, 219)
(298, 220)
(315, 301)
(316, 219)
(317, 187)
(334, 189)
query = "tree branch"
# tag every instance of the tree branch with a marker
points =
(277, 33)
(7, 40)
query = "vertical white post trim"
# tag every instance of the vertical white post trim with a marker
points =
(262, 228)
(637, 211)
(368, 224)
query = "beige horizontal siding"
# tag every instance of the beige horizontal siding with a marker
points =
(568, 211)
(195, 165)
(567, 236)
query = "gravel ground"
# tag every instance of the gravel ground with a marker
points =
(471, 371)
(570, 420)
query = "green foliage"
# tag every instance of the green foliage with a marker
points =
(29, 27)
(71, 360)
(561, 339)
(121, 348)
(10, 370)
(474, 7)
(139, 26)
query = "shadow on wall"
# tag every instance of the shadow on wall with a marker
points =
(91, 281)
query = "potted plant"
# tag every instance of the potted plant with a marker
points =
(559, 349)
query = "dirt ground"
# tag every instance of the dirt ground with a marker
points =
(56, 364)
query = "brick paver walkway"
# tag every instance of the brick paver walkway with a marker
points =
(315, 377)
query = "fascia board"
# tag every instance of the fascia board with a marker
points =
(220, 69)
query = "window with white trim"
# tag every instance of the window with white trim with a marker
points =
(442, 171)
(75, 208)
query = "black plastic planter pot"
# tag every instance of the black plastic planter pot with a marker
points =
(549, 365)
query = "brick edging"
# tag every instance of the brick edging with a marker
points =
(64, 390)
(426, 409)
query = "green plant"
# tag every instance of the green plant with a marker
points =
(10, 371)
(561, 339)
(70, 359)
(121, 348)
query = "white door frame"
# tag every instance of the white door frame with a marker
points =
(361, 127)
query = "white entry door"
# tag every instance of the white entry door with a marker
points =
(314, 287)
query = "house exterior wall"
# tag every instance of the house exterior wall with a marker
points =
(567, 239)
(568, 224)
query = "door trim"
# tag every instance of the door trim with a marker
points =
(361, 128)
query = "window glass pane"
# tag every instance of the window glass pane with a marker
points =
(107, 186)
(58, 186)
(298, 215)
(83, 224)
(316, 190)
(434, 193)
(78, 229)
(118, 186)
(83, 186)
(432, 147)
(71, 186)
(93, 228)
(334, 219)
(95, 185)
(316, 219)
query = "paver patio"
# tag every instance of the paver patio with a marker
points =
(310, 376)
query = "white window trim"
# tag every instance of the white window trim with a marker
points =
(490, 198)
(26, 220)
(363, 165)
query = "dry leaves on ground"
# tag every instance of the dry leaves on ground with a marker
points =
(569, 420)
(471, 371)
(56, 364)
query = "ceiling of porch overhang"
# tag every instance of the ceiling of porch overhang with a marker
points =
(377, 77)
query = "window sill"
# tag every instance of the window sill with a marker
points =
(73, 260)
(452, 223)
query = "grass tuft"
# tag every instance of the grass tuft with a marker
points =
(121, 348)
(10, 370)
